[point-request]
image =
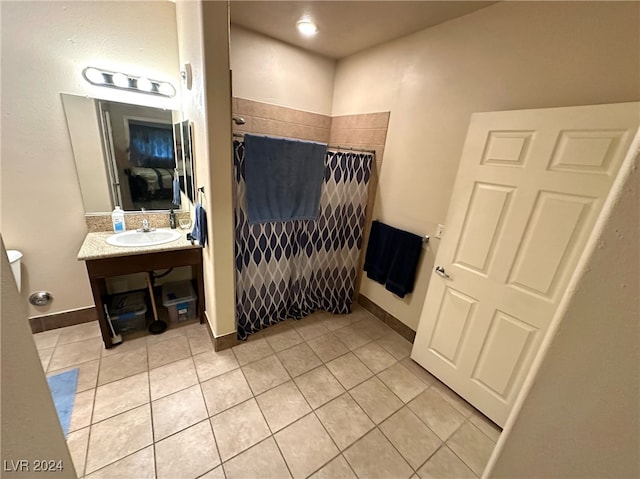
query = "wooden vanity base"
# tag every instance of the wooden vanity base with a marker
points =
(102, 268)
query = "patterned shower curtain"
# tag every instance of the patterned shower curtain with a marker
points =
(290, 269)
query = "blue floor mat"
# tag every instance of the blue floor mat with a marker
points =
(63, 391)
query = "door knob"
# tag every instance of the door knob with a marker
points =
(440, 270)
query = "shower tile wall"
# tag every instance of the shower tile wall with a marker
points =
(367, 131)
(265, 119)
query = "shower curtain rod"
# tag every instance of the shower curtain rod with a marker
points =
(334, 147)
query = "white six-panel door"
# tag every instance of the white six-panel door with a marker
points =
(529, 188)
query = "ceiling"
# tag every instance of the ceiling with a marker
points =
(346, 27)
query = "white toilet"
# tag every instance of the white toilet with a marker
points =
(15, 257)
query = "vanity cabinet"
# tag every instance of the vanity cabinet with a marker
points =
(101, 268)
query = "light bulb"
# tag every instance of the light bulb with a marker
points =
(307, 27)
(121, 80)
(144, 84)
(94, 75)
(166, 89)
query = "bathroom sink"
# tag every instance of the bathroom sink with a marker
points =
(139, 238)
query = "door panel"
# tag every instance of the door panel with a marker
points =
(508, 343)
(548, 241)
(507, 148)
(587, 151)
(452, 323)
(529, 188)
(486, 212)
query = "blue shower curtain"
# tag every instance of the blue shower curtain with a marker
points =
(292, 268)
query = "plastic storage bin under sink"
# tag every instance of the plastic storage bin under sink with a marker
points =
(128, 312)
(180, 300)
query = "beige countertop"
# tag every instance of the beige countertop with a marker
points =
(95, 246)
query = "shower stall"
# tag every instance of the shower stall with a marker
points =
(289, 269)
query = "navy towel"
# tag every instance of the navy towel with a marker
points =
(402, 271)
(378, 256)
(283, 178)
(199, 232)
(392, 258)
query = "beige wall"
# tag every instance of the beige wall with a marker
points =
(45, 46)
(217, 175)
(208, 106)
(512, 55)
(270, 71)
(579, 417)
(30, 427)
(190, 50)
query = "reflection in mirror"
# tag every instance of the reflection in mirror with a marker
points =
(126, 154)
(182, 132)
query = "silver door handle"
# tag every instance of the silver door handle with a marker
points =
(440, 270)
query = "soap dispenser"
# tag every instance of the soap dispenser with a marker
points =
(117, 218)
(172, 219)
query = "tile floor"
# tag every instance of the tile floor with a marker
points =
(325, 397)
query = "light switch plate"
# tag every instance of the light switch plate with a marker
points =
(439, 231)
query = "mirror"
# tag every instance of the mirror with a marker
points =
(129, 155)
(183, 134)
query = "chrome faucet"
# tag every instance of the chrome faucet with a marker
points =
(145, 223)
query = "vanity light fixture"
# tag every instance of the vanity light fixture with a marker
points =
(144, 84)
(122, 81)
(307, 27)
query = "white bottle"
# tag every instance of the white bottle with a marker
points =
(117, 218)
